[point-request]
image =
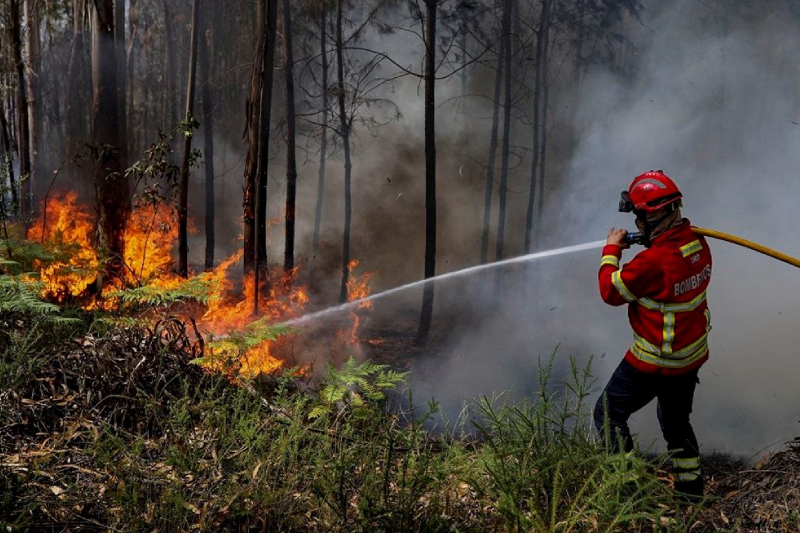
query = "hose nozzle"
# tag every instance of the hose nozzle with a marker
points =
(634, 237)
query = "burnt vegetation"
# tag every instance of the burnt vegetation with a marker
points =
(156, 369)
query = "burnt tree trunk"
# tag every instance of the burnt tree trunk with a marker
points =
(487, 197)
(172, 70)
(252, 133)
(291, 157)
(35, 109)
(344, 131)
(206, 90)
(426, 314)
(8, 162)
(503, 192)
(545, 80)
(537, 96)
(323, 148)
(122, 75)
(268, 69)
(183, 201)
(110, 182)
(23, 115)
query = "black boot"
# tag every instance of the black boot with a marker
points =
(690, 491)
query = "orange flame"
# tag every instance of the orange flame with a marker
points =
(65, 230)
(357, 289)
(149, 237)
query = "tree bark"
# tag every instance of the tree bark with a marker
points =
(545, 102)
(503, 192)
(206, 91)
(291, 157)
(268, 69)
(110, 183)
(122, 79)
(183, 203)
(487, 197)
(323, 148)
(537, 94)
(426, 314)
(36, 116)
(253, 130)
(171, 73)
(23, 115)
(344, 131)
(8, 162)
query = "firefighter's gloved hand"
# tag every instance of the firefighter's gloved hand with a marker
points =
(617, 236)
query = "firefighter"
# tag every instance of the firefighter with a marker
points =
(664, 287)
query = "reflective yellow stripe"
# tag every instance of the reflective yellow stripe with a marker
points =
(686, 463)
(674, 308)
(668, 333)
(687, 476)
(671, 362)
(616, 279)
(691, 248)
(708, 319)
(686, 351)
(610, 260)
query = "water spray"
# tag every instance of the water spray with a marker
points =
(635, 237)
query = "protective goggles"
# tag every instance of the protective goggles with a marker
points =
(625, 204)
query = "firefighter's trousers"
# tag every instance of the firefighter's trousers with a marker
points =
(628, 391)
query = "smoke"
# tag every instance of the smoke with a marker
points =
(711, 101)
(716, 111)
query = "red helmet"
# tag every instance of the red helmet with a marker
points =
(649, 192)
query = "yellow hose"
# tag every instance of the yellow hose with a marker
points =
(775, 254)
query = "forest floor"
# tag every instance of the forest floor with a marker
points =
(112, 432)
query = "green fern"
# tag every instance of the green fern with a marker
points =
(233, 346)
(199, 288)
(358, 386)
(21, 295)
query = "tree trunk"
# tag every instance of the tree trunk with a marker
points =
(206, 91)
(426, 315)
(110, 182)
(537, 94)
(268, 69)
(487, 198)
(36, 116)
(23, 115)
(291, 157)
(183, 202)
(122, 83)
(506, 40)
(543, 148)
(172, 70)
(8, 162)
(344, 131)
(323, 149)
(252, 132)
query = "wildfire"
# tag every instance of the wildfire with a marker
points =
(357, 289)
(149, 237)
(65, 231)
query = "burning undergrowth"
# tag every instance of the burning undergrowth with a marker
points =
(221, 304)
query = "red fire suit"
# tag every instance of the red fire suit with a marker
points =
(665, 286)
(665, 289)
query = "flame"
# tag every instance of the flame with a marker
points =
(358, 288)
(65, 230)
(149, 237)
(151, 233)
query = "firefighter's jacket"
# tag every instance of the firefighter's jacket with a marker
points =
(665, 289)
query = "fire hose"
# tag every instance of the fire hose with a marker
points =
(635, 238)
